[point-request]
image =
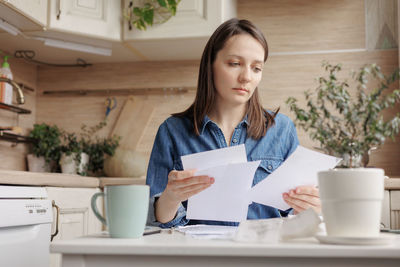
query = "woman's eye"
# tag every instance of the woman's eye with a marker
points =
(234, 64)
(257, 69)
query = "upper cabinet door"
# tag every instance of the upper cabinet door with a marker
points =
(25, 15)
(94, 18)
(194, 18)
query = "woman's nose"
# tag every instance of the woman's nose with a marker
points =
(245, 75)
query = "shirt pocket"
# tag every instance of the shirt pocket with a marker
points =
(266, 167)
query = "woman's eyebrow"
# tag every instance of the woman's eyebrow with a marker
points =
(255, 61)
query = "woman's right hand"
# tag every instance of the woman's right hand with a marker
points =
(181, 186)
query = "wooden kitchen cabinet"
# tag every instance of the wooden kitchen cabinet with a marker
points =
(203, 15)
(92, 18)
(184, 35)
(25, 15)
(391, 208)
(395, 209)
(75, 215)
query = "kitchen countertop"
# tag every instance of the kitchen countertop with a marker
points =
(104, 181)
(71, 180)
(392, 183)
(62, 180)
(176, 249)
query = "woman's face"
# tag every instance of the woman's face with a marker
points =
(238, 69)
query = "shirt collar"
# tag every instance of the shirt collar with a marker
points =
(207, 119)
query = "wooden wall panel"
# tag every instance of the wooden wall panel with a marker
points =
(381, 24)
(120, 76)
(295, 27)
(280, 81)
(304, 25)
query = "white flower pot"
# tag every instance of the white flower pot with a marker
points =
(37, 164)
(68, 164)
(352, 201)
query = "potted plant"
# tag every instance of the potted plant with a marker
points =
(73, 159)
(349, 124)
(98, 147)
(45, 148)
(85, 154)
(143, 13)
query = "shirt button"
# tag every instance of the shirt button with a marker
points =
(269, 167)
(234, 140)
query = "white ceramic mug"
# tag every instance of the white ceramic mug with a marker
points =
(351, 201)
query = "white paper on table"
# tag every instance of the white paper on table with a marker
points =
(300, 168)
(204, 229)
(226, 199)
(213, 158)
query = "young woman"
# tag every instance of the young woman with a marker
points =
(226, 112)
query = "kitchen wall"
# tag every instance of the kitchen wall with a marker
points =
(301, 34)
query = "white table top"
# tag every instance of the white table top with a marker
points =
(179, 244)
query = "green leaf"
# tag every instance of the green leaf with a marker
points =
(137, 11)
(148, 16)
(162, 3)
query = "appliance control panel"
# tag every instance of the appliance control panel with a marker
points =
(16, 212)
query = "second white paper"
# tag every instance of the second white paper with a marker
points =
(226, 199)
(300, 168)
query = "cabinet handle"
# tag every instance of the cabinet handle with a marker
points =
(58, 8)
(54, 205)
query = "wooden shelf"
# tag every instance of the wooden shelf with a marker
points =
(15, 138)
(14, 109)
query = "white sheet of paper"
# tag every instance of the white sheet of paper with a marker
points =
(204, 229)
(225, 200)
(300, 168)
(213, 158)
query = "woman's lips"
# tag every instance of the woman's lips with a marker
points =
(241, 90)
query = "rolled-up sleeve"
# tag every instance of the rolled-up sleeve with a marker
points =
(160, 164)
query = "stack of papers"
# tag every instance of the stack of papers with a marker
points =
(230, 195)
(202, 231)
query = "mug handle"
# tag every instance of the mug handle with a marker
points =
(94, 207)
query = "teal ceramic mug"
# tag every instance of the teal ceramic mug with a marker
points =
(126, 208)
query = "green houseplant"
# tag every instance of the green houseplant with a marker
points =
(73, 159)
(347, 125)
(46, 146)
(88, 150)
(97, 147)
(143, 13)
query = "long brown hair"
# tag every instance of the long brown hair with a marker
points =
(259, 119)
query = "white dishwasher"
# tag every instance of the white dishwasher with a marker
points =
(25, 226)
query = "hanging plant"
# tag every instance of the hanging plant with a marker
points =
(143, 13)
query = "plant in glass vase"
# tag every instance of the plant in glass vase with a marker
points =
(349, 124)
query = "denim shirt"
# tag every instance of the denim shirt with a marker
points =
(176, 138)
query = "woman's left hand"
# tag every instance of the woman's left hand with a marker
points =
(302, 198)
